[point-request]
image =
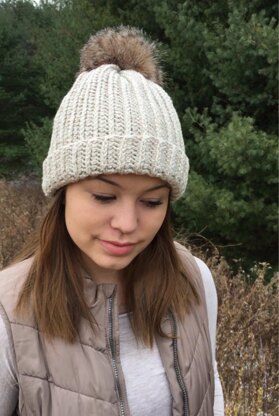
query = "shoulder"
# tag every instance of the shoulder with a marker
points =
(185, 255)
(210, 296)
(199, 266)
(192, 264)
(207, 278)
(11, 281)
(206, 274)
(15, 272)
(8, 372)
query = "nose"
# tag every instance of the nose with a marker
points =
(125, 218)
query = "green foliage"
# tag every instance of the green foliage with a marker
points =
(234, 201)
(13, 160)
(37, 139)
(222, 62)
(67, 24)
(243, 57)
(223, 59)
(65, 28)
(20, 99)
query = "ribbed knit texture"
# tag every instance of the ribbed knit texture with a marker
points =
(115, 121)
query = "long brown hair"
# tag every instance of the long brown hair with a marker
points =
(157, 281)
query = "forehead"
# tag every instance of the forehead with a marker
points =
(133, 179)
(129, 181)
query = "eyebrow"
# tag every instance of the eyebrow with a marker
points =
(153, 188)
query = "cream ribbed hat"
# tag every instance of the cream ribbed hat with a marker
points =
(114, 119)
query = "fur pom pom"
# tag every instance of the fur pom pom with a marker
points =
(123, 46)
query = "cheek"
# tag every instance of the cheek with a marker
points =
(76, 219)
(155, 222)
(71, 224)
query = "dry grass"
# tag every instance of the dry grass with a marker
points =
(21, 205)
(247, 342)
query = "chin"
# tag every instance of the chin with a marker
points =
(106, 262)
(117, 265)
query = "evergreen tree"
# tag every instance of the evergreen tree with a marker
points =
(221, 60)
(20, 99)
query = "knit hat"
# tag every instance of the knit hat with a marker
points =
(116, 118)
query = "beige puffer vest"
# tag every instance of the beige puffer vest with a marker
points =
(85, 378)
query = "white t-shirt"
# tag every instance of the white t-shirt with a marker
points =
(152, 384)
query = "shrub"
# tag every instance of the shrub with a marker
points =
(247, 341)
(234, 200)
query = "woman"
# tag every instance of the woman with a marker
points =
(105, 314)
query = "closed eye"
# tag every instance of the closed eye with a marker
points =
(152, 203)
(105, 199)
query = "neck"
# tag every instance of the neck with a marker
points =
(103, 276)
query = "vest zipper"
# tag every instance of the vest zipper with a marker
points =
(113, 356)
(186, 411)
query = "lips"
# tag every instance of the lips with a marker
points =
(115, 248)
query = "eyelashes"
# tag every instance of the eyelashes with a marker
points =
(152, 203)
(103, 198)
(106, 199)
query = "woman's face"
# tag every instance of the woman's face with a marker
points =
(112, 218)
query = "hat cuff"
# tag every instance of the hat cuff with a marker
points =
(110, 155)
